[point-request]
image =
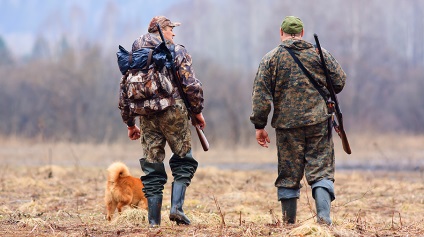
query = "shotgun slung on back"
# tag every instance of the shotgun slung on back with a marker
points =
(177, 80)
(335, 103)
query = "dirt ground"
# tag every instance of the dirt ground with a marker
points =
(57, 190)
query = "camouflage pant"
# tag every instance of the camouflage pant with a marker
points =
(304, 150)
(172, 126)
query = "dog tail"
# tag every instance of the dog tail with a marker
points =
(117, 170)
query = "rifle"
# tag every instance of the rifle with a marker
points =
(334, 104)
(177, 80)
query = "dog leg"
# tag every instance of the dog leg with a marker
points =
(142, 204)
(120, 206)
(111, 206)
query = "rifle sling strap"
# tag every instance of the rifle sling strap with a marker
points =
(149, 59)
(311, 79)
(319, 89)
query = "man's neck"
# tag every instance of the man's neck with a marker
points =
(287, 37)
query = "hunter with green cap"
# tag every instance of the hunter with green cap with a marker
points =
(300, 118)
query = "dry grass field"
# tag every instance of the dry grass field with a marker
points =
(56, 189)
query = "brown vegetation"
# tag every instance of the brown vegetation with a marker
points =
(56, 189)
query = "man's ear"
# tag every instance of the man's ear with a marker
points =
(302, 33)
(281, 32)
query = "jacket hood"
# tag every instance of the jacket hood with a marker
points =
(147, 40)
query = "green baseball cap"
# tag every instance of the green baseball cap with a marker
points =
(292, 25)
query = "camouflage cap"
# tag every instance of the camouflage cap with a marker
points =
(163, 22)
(292, 25)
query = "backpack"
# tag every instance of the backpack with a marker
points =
(148, 83)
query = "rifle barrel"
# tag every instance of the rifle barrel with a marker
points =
(160, 32)
(200, 133)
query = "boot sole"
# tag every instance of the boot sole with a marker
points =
(178, 219)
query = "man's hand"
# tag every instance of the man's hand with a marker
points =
(262, 137)
(134, 132)
(200, 121)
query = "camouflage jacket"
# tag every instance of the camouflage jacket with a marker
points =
(183, 63)
(281, 83)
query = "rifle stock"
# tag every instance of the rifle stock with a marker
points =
(203, 140)
(338, 128)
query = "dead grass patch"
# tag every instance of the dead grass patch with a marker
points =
(58, 189)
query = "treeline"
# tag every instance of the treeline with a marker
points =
(75, 98)
(71, 98)
(71, 93)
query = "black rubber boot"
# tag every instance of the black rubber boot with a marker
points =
(323, 204)
(177, 201)
(289, 207)
(154, 208)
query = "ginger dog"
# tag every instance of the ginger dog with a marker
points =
(122, 189)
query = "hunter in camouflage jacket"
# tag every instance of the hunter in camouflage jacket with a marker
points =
(281, 82)
(191, 85)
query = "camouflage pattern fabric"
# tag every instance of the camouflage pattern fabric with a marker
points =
(300, 112)
(124, 103)
(138, 90)
(281, 83)
(305, 150)
(147, 40)
(149, 92)
(191, 85)
(172, 126)
(162, 21)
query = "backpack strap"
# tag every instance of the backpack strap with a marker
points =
(149, 57)
(132, 71)
(311, 79)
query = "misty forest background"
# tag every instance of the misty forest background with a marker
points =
(65, 87)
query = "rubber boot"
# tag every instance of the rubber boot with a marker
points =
(289, 207)
(154, 208)
(323, 204)
(177, 201)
